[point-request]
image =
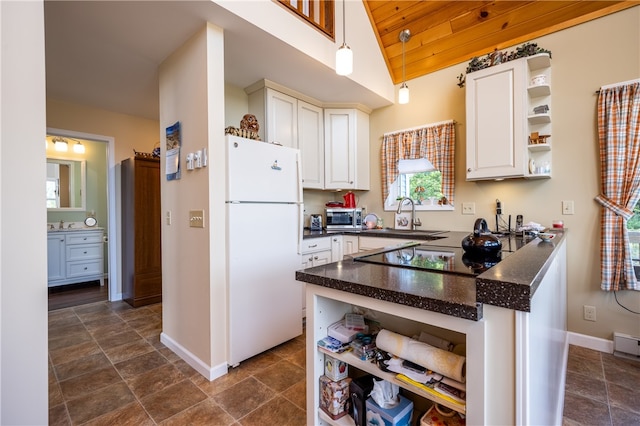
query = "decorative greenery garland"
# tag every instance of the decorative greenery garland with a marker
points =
(495, 58)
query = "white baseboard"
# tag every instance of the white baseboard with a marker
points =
(210, 373)
(589, 342)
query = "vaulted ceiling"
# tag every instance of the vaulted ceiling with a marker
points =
(445, 33)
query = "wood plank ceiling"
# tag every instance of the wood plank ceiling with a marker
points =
(445, 33)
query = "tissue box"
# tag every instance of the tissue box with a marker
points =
(334, 396)
(335, 369)
(400, 415)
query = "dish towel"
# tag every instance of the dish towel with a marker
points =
(435, 359)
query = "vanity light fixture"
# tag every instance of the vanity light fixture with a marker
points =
(403, 93)
(60, 144)
(344, 55)
(78, 148)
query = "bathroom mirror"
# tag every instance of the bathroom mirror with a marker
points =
(66, 185)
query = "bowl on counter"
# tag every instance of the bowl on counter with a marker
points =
(546, 236)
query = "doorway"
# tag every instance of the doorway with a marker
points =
(103, 206)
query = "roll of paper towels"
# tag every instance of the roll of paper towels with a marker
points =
(435, 359)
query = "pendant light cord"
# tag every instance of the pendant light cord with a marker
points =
(344, 27)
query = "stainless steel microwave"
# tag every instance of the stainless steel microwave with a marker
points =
(343, 218)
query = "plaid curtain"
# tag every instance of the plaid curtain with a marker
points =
(619, 136)
(435, 142)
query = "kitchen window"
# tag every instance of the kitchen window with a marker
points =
(418, 163)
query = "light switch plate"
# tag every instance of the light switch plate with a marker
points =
(567, 207)
(196, 218)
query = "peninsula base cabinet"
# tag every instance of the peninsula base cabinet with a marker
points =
(515, 361)
(141, 228)
(75, 257)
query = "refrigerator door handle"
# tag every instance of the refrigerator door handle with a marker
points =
(299, 180)
(300, 226)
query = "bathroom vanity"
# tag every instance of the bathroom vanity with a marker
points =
(75, 255)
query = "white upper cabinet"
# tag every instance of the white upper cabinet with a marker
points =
(333, 142)
(500, 119)
(346, 149)
(311, 144)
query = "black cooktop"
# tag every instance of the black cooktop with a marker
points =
(435, 258)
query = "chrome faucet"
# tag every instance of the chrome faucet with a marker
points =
(414, 220)
(61, 226)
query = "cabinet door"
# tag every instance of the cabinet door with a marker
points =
(311, 143)
(321, 257)
(337, 248)
(55, 257)
(495, 122)
(349, 244)
(339, 148)
(282, 119)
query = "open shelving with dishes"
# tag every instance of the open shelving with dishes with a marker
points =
(328, 308)
(539, 116)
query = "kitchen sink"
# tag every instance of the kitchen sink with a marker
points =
(423, 234)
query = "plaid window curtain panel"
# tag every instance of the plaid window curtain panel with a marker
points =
(434, 142)
(619, 137)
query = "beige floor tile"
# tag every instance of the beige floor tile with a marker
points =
(278, 411)
(205, 413)
(140, 364)
(103, 401)
(244, 397)
(129, 415)
(172, 400)
(78, 386)
(155, 380)
(281, 375)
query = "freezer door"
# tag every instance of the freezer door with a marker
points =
(265, 300)
(262, 172)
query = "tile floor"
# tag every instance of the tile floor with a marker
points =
(107, 366)
(601, 389)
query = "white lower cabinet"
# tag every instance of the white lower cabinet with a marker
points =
(74, 257)
(315, 251)
(370, 243)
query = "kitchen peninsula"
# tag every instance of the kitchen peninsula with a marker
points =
(511, 319)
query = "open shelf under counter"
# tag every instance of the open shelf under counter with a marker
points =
(368, 367)
(538, 147)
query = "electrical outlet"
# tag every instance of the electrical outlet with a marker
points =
(196, 218)
(168, 217)
(468, 208)
(589, 313)
(567, 207)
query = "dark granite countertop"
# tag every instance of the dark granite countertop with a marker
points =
(510, 284)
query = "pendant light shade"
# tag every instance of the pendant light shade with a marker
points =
(78, 148)
(403, 93)
(60, 145)
(344, 60)
(344, 55)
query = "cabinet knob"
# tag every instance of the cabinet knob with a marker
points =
(315, 257)
(311, 259)
(85, 268)
(85, 252)
(469, 170)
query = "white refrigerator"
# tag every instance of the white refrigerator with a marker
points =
(264, 226)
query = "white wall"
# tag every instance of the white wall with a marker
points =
(585, 57)
(23, 273)
(193, 274)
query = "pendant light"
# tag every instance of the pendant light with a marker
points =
(403, 93)
(344, 55)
